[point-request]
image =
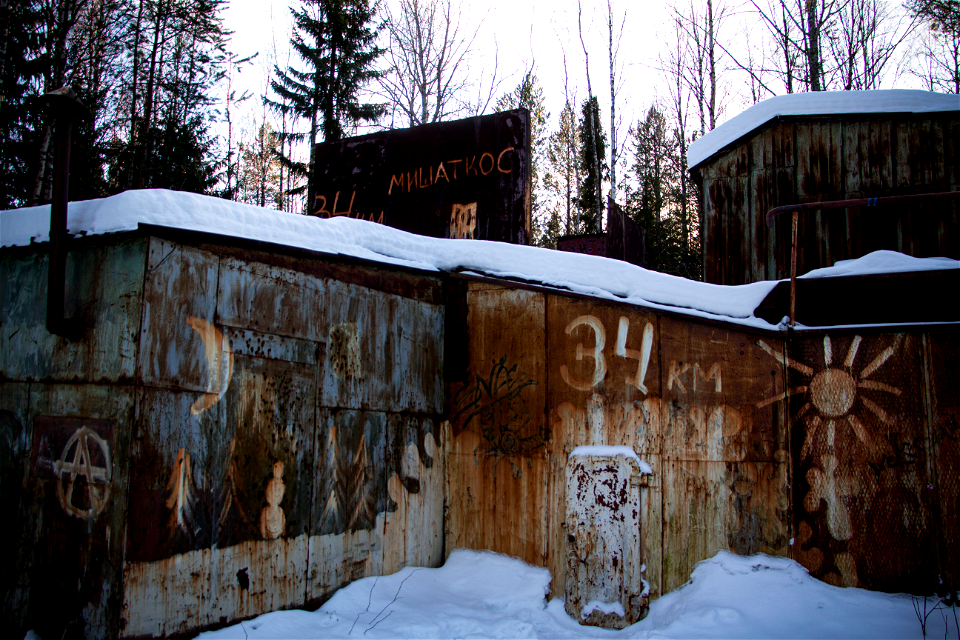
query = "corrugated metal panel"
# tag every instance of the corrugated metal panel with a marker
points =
(860, 447)
(103, 290)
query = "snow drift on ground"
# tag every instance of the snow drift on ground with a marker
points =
(818, 103)
(480, 594)
(585, 274)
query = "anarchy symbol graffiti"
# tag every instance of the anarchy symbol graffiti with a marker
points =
(85, 449)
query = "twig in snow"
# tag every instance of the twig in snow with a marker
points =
(378, 622)
(369, 601)
(395, 598)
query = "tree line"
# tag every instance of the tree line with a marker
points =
(157, 78)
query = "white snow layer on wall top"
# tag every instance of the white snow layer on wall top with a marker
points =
(819, 103)
(584, 274)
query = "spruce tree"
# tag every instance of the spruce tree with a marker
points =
(336, 42)
(593, 168)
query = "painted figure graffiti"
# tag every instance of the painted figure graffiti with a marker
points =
(272, 520)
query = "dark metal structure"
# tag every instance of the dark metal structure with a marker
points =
(805, 159)
(459, 179)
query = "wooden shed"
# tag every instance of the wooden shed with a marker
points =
(827, 146)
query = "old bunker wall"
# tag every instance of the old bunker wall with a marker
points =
(244, 428)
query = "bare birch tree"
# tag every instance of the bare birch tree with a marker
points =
(427, 57)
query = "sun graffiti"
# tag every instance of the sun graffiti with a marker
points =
(834, 390)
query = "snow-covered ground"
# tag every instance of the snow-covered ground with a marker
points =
(585, 274)
(480, 594)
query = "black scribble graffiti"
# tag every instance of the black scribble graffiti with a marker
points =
(503, 416)
(905, 452)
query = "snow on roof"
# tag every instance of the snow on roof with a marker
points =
(818, 103)
(882, 262)
(595, 276)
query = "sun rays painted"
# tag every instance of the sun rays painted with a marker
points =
(833, 392)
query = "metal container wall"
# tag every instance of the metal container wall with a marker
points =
(238, 431)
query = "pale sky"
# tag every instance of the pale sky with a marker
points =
(512, 34)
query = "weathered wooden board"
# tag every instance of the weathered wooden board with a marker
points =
(76, 497)
(742, 507)
(496, 461)
(103, 289)
(179, 305)
(720, 387)
(860, 454)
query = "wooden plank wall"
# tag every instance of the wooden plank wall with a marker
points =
(553, 373)
(809, 159)
(838, 449)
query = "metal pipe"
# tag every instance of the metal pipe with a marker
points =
(859, 202)
(64, 105)
(795, 209)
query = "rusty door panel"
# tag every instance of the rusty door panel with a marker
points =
(942, 353)
(503, 397)
(223, 500)
(860, 455)
(178, 315)
(719, 388)
(75, 508)
(413, 533)
(103, 294)
(273, 299)
(739, 506)
(604, 558)
(383, 352)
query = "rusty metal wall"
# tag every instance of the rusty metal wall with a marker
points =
(238, 432)
(287, 432)
(67, 412)
(874, 438)
(756, 442)
(806, 159)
